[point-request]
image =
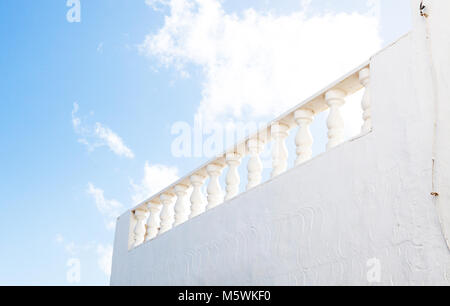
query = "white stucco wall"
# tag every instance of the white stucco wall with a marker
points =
(437, 27)
(322, 223)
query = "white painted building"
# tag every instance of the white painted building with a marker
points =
(372, 210)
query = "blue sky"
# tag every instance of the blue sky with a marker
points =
(65, 171)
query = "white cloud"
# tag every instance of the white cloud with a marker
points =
(113, 141)
(105, 258)
(157, 5)
(257, 65)
(109, 209)
(374, 8)
(75, 120)
(156, 178)
(104, 252)
(72, 248)
(98, 136)
(59, 238)
(100, 48)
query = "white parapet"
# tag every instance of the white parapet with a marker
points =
(372, 210)
(170, 207)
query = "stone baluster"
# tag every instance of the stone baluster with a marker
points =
(215, 194)
(335, 99)
(154, 221)
(132, 236)
(167, 213)
(255, 167)
(304, 139)
(141, 215)
(233, 180)
(280, 153)
(182, 209)
(364, 78)
(198, 203)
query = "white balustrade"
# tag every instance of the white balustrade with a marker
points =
(254, 167)
(364, 78)
(141, 215)
(215, 194)
(233, 180)
(280, 153)
(182, 209)
(198, 203)
(154, 221)
(335, 99)
(162, 212)
(167, 213)
(131, 228)
(304, 139)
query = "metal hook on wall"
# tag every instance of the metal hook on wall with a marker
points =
(423, 10)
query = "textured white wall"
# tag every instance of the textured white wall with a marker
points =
(322, 222)
(437, 27)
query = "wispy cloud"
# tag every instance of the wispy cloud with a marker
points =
(104, 253)
(112, 140)
(76, 122)
(59, 238)
(157, 5)
(256, 64)
(156, 177)
(100, 48)
(109, 209)
(98, 135)
(72, 248)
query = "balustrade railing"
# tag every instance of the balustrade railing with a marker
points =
(171, 207)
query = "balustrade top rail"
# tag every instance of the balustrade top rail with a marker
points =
(147, 218)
